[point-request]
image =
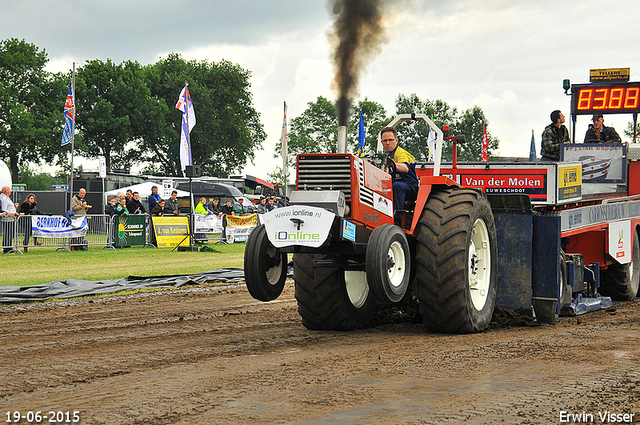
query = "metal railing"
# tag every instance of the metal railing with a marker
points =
(16, 235)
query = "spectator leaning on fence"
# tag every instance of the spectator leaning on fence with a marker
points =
(239, 208)
(9, 214)
(29, 207)
(201, 208)
(134, 206)
(171, 205)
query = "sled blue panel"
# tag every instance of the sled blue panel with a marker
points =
(515, 238)
(546, 270)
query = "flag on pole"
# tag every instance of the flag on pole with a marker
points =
(431, 144)
(69, 118)
(532, 149)
(361, 136)
(284, 136)
(188, 120)
(485, 146)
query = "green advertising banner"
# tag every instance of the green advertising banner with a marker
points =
(132, 230)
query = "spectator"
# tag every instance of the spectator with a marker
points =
(201, 208)
(214, 208)
(29, 207)
(171, 205)
(553, 136)
(227, 208)
(598, 132)
(78, 204)
(239, 208)
(154, 198)
(158, 209)
(129, 195)
(111, 207)
(9, 215)
(80, 207)
(270, 205)
(262, 205)
(134, 206)
(121, 207)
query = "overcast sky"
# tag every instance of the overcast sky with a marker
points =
(508, 57)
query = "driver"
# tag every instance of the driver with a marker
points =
(402, 167)
(599, 133)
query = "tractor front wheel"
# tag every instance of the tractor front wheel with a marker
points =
(331, 298)
(388, 263)
(265, 268)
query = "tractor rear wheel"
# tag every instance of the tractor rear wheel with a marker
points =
(265, 268)
(456, 255)
(331, 298)
(621, 282)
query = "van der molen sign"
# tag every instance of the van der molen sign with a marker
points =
(609, 74)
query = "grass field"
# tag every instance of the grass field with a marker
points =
(42, 265)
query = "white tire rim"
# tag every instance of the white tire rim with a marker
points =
(479, 264)
(395, 264)
(357, 287)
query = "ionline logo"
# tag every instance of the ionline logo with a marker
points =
(283, 235)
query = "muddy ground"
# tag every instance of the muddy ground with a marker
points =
(216, 356)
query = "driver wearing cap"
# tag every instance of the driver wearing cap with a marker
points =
(599, 133)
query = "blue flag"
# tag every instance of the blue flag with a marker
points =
(532, 149)
(361, 136)
(69, 118)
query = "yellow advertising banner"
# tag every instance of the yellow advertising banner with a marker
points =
(171, 231)
(242, 220)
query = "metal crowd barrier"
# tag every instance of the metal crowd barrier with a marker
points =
(17, 235)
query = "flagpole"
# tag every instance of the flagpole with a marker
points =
(73, 131)
(284, 150)
(188, 132)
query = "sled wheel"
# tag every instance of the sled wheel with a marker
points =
(330, 298)
(621, 281)
(265, 268)
(456, 257)
(388, 263)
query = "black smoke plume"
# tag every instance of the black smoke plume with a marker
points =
(357, 36)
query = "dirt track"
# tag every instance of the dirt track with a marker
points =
(216, 356)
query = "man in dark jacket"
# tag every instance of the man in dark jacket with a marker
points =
(134, 206)
(554, 135)
(599, 133)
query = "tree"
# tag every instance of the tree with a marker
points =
(113, 107)
(228, 128)
(470, 123)
(630, 133)
(316, 129)
(31, 117)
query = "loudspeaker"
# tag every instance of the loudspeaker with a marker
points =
(192, 170)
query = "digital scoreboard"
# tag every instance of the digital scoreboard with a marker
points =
(605, 98)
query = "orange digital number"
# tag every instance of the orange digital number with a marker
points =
(615, 99)
(584, 100)
(633, 98)
(600, 99)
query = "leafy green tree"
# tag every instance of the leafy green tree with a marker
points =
(39, 181)
(113, 106)
(228, 128)
(31, 119)
(316, 129)
(413, 135)
(629, 131)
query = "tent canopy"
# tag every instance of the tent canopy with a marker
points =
(144, 189)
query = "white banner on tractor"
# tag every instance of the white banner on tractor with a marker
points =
(298, 225)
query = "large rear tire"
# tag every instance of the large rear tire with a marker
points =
(388, 263)
(621, 281)
(456, 255)
(330, 298)
(265, 268)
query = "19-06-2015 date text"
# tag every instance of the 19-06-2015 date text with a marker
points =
(51, 417)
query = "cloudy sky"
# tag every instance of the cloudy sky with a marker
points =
(508, 57)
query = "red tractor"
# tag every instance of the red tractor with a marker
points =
(348, 255)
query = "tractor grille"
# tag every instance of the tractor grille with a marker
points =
(366, 194)
(319, 172)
